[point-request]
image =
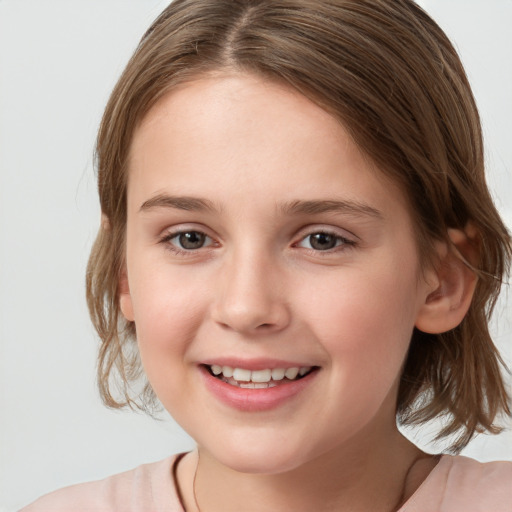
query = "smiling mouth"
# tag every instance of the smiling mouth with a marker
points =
(258, 379)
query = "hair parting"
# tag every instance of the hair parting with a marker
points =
(390, 75)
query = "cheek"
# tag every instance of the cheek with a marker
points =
(168, 312)
(365, 329)
(364, 318)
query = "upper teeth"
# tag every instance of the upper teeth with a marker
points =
(241, 374)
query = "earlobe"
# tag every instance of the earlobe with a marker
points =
(125, 299)
(445, 306)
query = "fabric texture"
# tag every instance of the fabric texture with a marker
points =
(147, 488)
(461, 484)
(456, 484)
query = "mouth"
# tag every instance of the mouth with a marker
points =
(258, 379)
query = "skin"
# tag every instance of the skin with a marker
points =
(257, 288)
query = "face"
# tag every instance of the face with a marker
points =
(271, 272)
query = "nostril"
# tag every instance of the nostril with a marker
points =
(250, 313)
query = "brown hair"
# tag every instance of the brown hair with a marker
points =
(390, 75)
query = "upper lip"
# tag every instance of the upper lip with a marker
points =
(255, 364)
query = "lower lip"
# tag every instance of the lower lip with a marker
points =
(255, 400)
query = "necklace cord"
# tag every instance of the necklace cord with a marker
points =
(194, 483)
(396, 508)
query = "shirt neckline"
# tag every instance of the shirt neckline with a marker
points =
(442, 459)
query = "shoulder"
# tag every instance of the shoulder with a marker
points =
(471, 474)
(461, 484)
(147, 487)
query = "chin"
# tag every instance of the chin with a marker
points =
(261, 466)
(258, 459)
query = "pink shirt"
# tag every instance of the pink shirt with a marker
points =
(456, 484)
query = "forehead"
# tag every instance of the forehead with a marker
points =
(243, 134)
(227, 111)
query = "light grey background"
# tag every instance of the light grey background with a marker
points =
(59, 60)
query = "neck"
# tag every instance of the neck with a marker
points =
(373, 477)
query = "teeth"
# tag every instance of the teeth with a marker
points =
(257, 385)
(278, 373)
(261, 375)
(261, 378)
(291, 373)
(227, 371)
(239, 374)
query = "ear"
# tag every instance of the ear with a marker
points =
(453, 281)
(125, 299)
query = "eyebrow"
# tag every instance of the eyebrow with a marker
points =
(331, 206)
(311, 207)
(178, 202)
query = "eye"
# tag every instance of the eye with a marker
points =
(188, 240)
(323, 241)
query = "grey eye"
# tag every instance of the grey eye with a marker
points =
(191, 240)
(322, 241)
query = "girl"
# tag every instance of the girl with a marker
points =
(299, 248)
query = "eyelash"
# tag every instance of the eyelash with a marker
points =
(341, 242)
(166, 240)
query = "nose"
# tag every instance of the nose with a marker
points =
(250, 296)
